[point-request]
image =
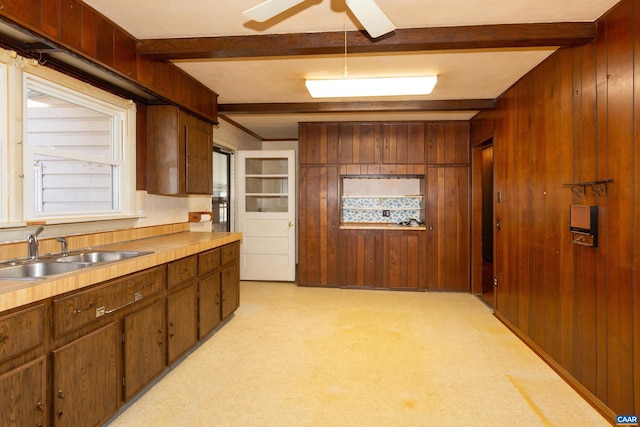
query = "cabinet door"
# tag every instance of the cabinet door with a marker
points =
(319, 224)
(230, 285)
(144, 336)
(359, 144)
(405, 259)
(209, 301)
(23, 392)
(199, 158)
(447, 143)
(403, 143)
(448, 228)
(86, 380)
(182, 321)
(318, 144)
(361, 258)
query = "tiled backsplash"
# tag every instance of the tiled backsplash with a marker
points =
(370, 209)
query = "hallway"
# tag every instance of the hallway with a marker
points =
(294, 356)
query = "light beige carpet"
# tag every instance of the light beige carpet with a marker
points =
(332, 357)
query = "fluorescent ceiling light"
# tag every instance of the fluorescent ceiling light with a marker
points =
(383, 86)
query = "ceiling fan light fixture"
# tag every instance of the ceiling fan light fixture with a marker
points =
(378, 86)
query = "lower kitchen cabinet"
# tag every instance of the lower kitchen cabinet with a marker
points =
(361, 258)
(405, 254)
(144, 347)
(86, 380)
(209, 303)
(182, 329)
(230, 278)
(22, 393)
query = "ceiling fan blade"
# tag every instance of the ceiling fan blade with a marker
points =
(371, 17)
(269, 9)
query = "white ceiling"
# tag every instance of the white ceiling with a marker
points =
(477, 74)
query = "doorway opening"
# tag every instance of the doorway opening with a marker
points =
(487, 224)
(220, 199)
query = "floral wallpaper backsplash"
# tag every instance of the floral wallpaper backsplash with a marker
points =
(372, 209)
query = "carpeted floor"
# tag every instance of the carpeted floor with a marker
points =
(331, 357)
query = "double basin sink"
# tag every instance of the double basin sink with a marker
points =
(51, 265)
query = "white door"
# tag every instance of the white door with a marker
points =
(266, 214)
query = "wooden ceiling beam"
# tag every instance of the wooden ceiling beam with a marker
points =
(401, 40)
(359, 106)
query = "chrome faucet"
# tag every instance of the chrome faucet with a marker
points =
(63, 243)
(32, 242)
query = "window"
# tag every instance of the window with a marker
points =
(77, 151)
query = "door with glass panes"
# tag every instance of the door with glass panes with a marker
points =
(266, 214)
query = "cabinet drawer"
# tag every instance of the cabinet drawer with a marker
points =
(21, 331)
(230, 253)
(81, 308)
(182, 270)
(208, 261)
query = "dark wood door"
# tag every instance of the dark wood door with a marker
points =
(85, 378)
(23, 392)
(144, 347)
(182, 320)
(230, 284)
(209, 303)
(403, 143)
(319, 223)
(448, 228)
(405, 259)
(362, 258)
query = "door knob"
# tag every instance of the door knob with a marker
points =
(291, 224)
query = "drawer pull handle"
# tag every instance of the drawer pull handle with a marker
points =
(80, 310)
(136, 297)
(147, 285)
(4, 338)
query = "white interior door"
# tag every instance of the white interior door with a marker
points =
(266, 214)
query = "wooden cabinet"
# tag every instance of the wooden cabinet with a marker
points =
(86, 380)
(230, 278)
(318, 143)
(179, 152)
(448, 228)
(361, 258)
(405, 253)
(318, 219)
(144, 347)
(21, 331)
(182, 307)
(209, 292)
(447, 143)
(360, 143)
(23, 392)
(403, 143)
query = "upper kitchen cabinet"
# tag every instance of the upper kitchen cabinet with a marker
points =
(179, 152)
(447, 143)
(360, 143)
(318, 143)
(403, 143)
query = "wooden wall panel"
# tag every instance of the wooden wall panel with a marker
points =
(71, 23)
(574, 119)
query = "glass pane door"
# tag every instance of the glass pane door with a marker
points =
(267, 184)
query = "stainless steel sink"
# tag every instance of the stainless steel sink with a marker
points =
(39, 269)
(96, 257)
(50, 265)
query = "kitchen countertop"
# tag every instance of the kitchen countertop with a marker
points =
(379, 226)
(166, 248)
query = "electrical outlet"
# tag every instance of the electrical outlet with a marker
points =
(386, 212)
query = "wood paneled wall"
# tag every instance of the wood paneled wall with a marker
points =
(575, 118)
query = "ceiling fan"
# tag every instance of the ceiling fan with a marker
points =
(367, 12)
